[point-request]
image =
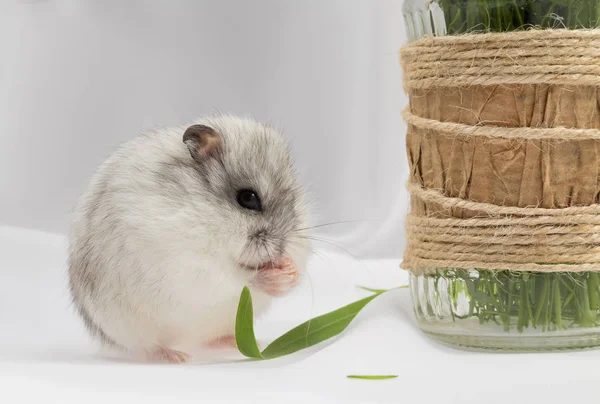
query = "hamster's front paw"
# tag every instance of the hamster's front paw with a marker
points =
(277, 280)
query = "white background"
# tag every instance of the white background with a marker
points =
(79, 76)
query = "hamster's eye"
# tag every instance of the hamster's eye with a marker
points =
(249, 199)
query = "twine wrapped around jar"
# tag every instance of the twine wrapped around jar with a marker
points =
(503, 144)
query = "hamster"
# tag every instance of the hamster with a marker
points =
(174, 224)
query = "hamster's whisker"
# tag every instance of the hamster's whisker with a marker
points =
(324, 240)
(310, 282)
(333, 223)
(291, 246)
(319, 254)
(307, 248)
(244, 251)
(268, 251)
(354, 257)
(257, 264)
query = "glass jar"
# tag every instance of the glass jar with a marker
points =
(505, 310)
(451, 17)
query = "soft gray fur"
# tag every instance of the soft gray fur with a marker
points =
(160, 248)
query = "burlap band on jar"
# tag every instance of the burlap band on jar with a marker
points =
(503, 144)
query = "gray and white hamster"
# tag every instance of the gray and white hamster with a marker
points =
(174, 224)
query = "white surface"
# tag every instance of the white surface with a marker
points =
(45, 355)
(79, 76)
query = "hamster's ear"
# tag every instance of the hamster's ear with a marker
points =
(202, 141)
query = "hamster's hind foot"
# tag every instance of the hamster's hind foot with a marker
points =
(166, 355)
(225, 342)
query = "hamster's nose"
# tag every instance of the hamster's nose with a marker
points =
(260, 234)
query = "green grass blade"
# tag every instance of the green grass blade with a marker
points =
(244, 327)
(316, 330)
(372, 377)
(368, 289)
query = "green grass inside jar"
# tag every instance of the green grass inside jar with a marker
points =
(521, 300)
(508, 15)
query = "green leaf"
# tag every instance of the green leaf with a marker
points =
(316, 330)
(244, 327)
(372, 377)
(305, 335)
(368, 289)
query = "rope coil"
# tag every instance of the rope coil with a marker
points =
(453, 129)
(497, 236)
(504, 58)
(505, 237)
